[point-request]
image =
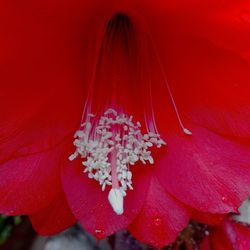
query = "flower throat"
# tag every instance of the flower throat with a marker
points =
(118, 128)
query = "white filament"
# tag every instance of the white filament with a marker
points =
(184, 129)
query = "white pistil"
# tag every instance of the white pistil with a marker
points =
(110, 147)
(116, 200)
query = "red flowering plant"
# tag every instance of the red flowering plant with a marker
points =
(156, 95)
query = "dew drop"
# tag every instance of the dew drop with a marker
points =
(223, 198)
(157, 222)
(99, 234)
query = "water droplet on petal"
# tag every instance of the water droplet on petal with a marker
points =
(223, 198)
(157, 222)
(99, 234)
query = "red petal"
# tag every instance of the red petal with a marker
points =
(206, 171)
(229, 236)
(41, 88)
(207, 218)
(161, 219)
(54, 218)
(232, 28)
(90, 205)
(209, 81)
(30, 183)
(238, 235)
(205, 245)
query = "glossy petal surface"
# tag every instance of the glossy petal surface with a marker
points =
(90, 205)
(30, 183)
(230, 235)
(212, 172)
(54, 218)
(161, 219)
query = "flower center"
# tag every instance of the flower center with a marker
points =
(110, 145)
(120, 87)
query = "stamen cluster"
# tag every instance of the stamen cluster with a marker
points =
(99, 139)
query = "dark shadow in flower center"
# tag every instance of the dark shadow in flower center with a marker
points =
(118, 27)
(118, 22)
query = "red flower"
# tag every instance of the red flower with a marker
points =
(230, 235)
(166, 63)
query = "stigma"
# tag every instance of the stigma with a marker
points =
(110, 145)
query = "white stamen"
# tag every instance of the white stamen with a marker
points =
(73, 156)
(186, 131)
(115, 198)
(109, 146)
(110, 111)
